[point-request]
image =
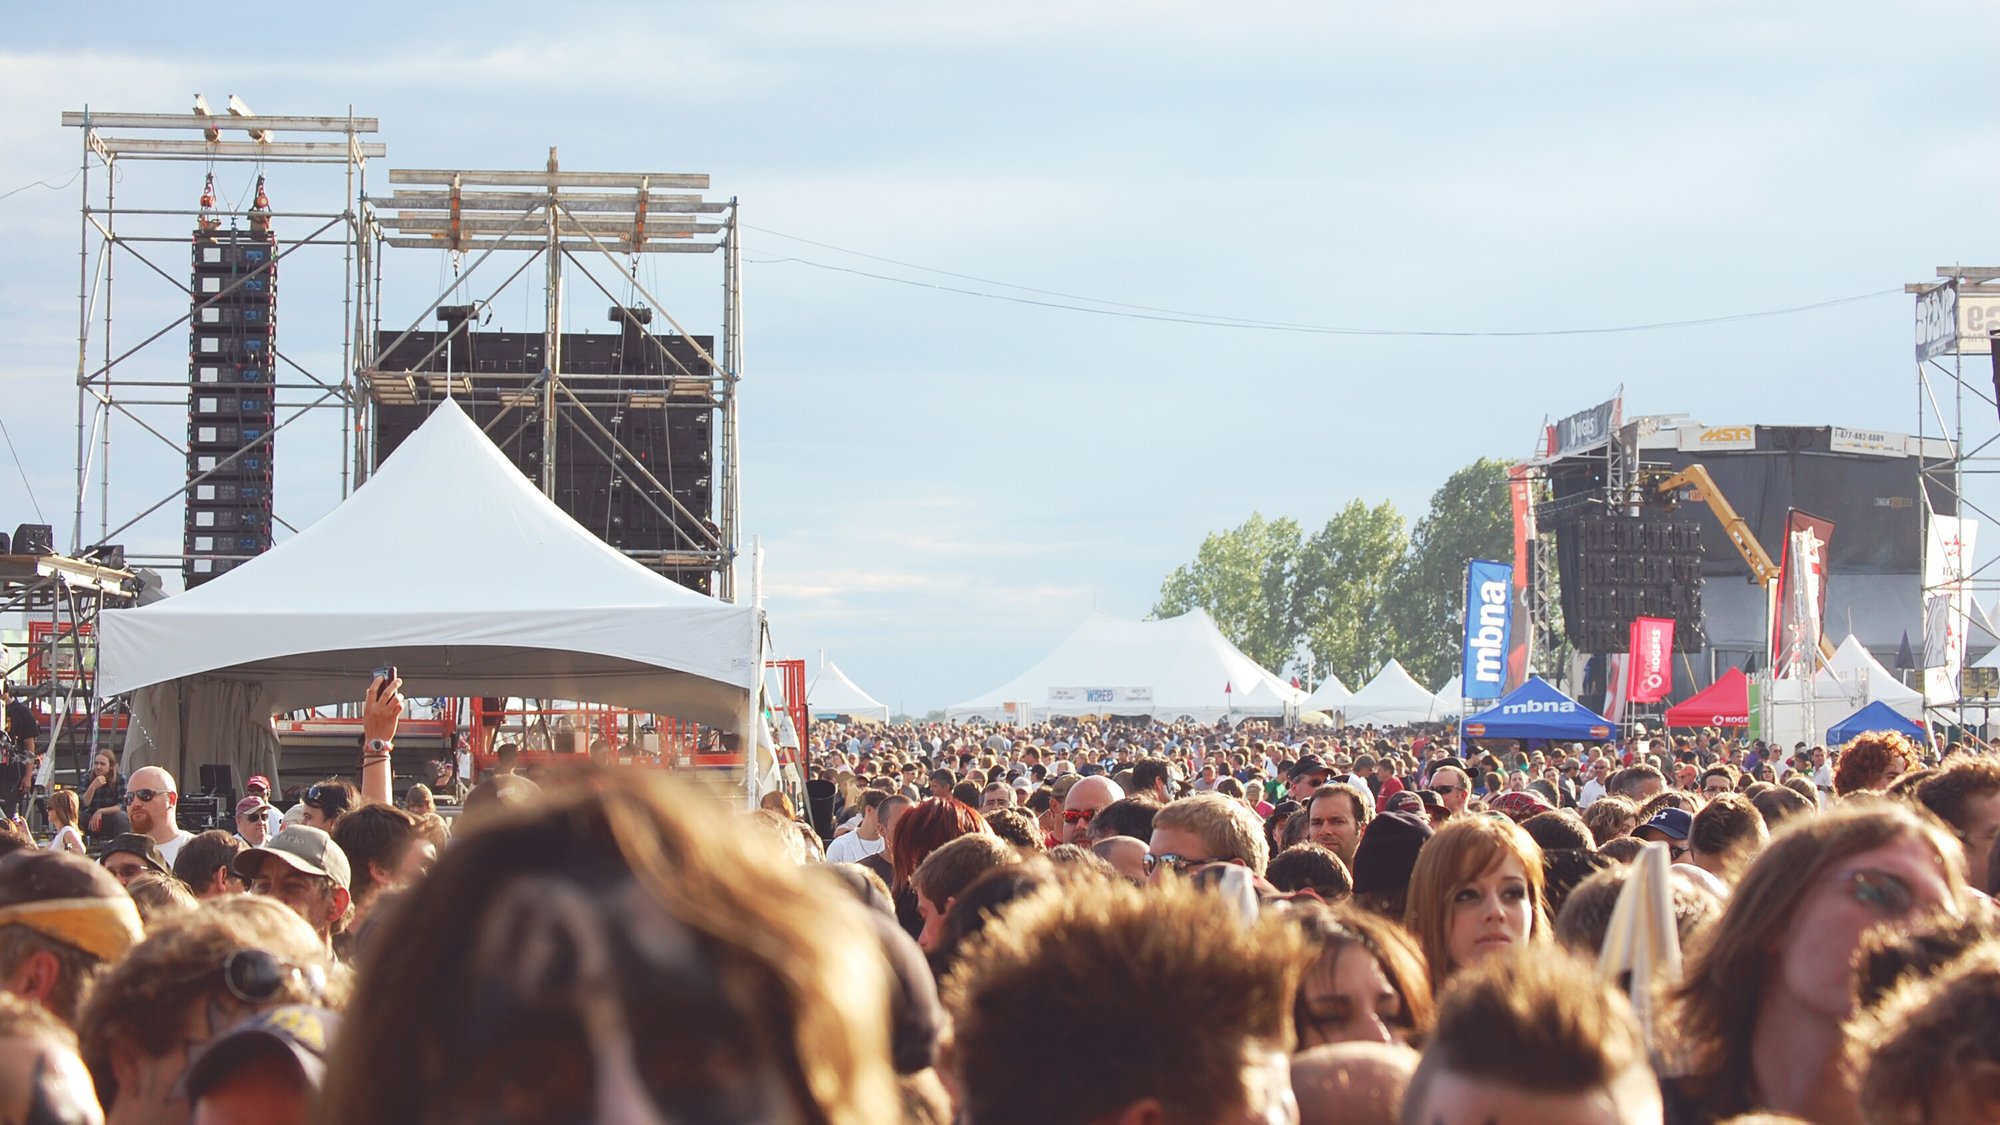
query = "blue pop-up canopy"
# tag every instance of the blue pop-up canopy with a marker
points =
(1538, 710)
(1876, 716)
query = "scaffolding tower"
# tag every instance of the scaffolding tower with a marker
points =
(580, 220)
(114, 233)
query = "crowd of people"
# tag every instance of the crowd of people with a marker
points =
(1084, 922)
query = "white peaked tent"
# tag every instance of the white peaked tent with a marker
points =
(831, 693)
(1329, 697)
(449, 565)
(1852, 680)
(1392, 698)
(1451, 698)
(1180, 666)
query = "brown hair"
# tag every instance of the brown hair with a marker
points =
(794, 952)
(1465, 848)
(1866, 759)
(1308, 866)
(1610, 817)
(1713, 1013)
(1949, 792)
(375, 833)
(1069, 976)
(1538, 1021)
(1929, 1037)
(1227, 827)
(63, 806)
(1333, 929)
(949, 870)
(160, 898)
(1730, 828)
(145, 999)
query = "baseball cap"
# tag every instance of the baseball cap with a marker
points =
(258, 781)
(297, 1032)
(251, 804)
(306, 848)
(70, 899)
(1676, 823)
(1307, 763)
(141, 845)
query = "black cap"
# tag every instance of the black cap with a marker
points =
(296, 1032)
(141, 845)
(1388, 851)
(1309, 763)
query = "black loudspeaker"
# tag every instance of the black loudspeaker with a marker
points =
(6, 544)
(218, 780)
(34, 539)
(819, 806)
(110, 555)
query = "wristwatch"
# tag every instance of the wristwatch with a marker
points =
(379, 746)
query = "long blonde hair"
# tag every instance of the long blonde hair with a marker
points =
(1466, 848)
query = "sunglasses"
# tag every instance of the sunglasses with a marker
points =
(141, 796)
(257, 977)
(1441, 790)
(1176, 862)
(322, 797)
(1079, 816)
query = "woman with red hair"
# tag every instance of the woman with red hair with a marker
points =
(928, 825)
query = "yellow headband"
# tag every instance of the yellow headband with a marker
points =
(103, 927)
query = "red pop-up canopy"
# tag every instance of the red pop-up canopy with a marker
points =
(1724, 703)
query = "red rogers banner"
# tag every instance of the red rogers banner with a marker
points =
(1651, 671)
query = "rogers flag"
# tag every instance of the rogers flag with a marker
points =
(1649, 673)
(1798, 612)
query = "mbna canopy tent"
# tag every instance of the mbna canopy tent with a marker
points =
(1724, 703)
(1874, 717)
(1537, 710)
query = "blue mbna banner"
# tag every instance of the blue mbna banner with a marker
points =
(1489, 621)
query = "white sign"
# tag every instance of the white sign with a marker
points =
(1978, 315)
(1875, 443)
(1105, 696)
(1696, 440)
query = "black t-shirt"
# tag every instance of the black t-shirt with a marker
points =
(21, 721)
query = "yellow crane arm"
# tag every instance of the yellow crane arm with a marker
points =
(1763, 571)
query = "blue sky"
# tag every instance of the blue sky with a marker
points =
(945, 485)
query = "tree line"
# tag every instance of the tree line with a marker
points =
(1362, 589)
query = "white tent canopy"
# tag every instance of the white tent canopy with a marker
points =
(1330, 696)
(832, 693)
(450, 565)
(1180, 666)
(1851, 680)
(1451, 698)
(1392, 698)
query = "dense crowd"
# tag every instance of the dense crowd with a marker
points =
(1084, 922)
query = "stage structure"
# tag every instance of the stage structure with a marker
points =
(233, 389)
(1958, 410)
(632, 432)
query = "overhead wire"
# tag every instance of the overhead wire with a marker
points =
(1133, 311)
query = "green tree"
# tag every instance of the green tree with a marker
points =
(1339, 586)
(1243, 578)
(1471, 517)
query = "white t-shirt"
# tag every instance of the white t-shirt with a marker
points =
(851, 848)
(172, 848)
(1592, 790)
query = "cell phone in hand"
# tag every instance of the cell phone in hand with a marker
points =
(385, 674)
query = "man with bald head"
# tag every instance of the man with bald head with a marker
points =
(150, 799)
(1084, 799)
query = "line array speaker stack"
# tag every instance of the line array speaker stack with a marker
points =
(1615, 568)
(231, 405)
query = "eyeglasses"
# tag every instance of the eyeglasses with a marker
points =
(1079, 816)
(1177, 862)
(1441, 790)
(257, 977)
(1887, 894)
(141, 796)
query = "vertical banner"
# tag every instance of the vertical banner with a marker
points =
(1521, 653)
(1801, 583)
(1489, 613)
(1650, 671)
(1948, 557)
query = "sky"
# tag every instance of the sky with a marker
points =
(945, 484)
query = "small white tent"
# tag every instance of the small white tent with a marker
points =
(448, 564)
(1392, 698)
(833, 695)
(1180, 666)
(1329, 697)
(1451, 698)
(1852, 680)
